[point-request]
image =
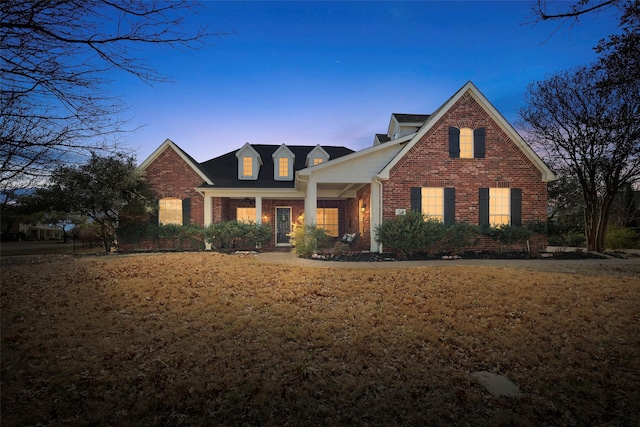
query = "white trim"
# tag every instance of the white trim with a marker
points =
(170, 144)
(283, 152)
(547, 174)
(317, 153)
(255, 165)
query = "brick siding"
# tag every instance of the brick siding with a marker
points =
(170, 176)
(428, 164)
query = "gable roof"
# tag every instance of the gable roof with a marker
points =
(469, 87)
(223, 170)
(183, 154)
(411, 118)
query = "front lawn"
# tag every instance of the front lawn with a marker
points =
(212, 339)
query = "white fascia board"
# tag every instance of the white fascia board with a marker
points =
(170, 144)
(248, 147)
(241, 193)
(285, 149)
(547, 175)
(352, 156)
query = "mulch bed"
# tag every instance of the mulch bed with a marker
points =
(423, 256)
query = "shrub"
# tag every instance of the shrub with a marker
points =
(622, 238)
(258, 234)
(458, 237)
(508, 234)
(568, 238)
(226, 235)
(306, 239)
(409, 233)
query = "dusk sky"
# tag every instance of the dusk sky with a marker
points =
(332, 73)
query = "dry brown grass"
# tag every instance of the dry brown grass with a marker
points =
(205, 338)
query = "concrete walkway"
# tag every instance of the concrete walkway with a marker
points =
(612, 266)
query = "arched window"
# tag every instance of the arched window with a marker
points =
(466, 143)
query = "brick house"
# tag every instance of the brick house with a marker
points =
(464, 162)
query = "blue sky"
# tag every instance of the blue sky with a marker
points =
(333, 72)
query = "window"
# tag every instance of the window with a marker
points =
(499, 206)
(247, 166)
(433, 203)
(283, 167)
(246, 214)
(466, 143)
(327, 218)
(317, 161)
(170, 211)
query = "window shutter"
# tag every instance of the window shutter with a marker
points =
(154, 218)
(416, 199)
(449, 206)
(186, 212)
(516, 207)
(478, 143)
(454, 142)
(483, 207)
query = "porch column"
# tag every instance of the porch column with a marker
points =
(258, 209)
(376, 213)
(208, 215)
(310, 202)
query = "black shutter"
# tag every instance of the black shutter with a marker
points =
(186, 212)
(454, 142)
(478, 143)
(154, 216)
(483, 207)
(516, 207)
(416, 199)
(449, 206)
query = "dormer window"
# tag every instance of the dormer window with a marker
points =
(283, 167)
(316, 156)
(247, 166)
(283, 159)
(249, 162)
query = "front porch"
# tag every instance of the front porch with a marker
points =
(338, 209)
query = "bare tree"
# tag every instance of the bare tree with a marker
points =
(57, 62)
(591, 131)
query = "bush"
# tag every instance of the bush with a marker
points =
(227, 235)
(622, 238)
(135, 233)
(458, 237)
(568, 239)
(306, 239)
(409, 233)
(508, 234)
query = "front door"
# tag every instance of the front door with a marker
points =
(283, 225)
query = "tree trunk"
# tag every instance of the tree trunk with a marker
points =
(590, 227)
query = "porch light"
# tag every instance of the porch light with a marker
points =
(363, 207)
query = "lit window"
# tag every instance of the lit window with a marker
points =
(247, 166)
(499, 206)
(327, 218)
(246, 214)
(317, 161)
(433, 203)
(170, 211)
(283, 167)
(466, 143)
